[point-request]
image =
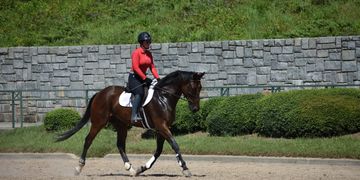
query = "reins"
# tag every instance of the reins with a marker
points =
(180, 97)
(129, 90)
(164, 90)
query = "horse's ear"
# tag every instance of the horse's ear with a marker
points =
(198, 75)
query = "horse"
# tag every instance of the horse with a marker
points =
(104, 108)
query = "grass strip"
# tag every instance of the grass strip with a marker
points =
(36, 139)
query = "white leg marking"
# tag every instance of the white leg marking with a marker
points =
(177, 157)
(129, 167)
(150, 162)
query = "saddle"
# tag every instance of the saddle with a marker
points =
(125, 97)
(125, 101)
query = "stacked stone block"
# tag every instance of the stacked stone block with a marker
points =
(299, 61)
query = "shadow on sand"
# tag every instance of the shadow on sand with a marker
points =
(144, 175)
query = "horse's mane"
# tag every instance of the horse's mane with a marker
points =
(175, 76)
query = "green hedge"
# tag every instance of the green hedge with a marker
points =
(208, 106)
(60, 119)
(188, 122)
(309, 113)
(233, 116)
(185, 120)
(300, 113)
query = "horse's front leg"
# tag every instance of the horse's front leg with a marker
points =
(159, 147)
(171, 140)
(182, 164)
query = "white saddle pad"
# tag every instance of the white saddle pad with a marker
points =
(124, 98)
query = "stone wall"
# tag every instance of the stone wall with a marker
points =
(299, 61)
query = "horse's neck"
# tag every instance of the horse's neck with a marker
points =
(171, 93)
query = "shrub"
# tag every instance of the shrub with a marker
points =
(208, 106)
(211, 104)
(188, 122)
(233, 116)
(309, 113)
(60, 119)
(185, 120)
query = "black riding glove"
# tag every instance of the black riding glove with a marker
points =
(148, 81)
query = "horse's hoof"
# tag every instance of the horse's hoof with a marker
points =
(133, 172)
(187, 173)
(77, 170)
(140, 170)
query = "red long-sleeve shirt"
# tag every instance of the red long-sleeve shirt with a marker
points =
(141, 61)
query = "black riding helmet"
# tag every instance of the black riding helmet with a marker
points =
(144, 36)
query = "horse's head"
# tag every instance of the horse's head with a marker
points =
(191, 90)
(183, 82)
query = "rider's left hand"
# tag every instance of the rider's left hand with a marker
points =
(148, 81)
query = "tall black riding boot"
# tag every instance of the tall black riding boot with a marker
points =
(135, 108)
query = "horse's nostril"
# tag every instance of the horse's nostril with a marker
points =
(195, 109)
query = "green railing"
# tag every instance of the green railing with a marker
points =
(18, 95)
(225, 90)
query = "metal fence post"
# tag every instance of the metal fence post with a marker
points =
(224, 91)
(13, 108)
(275, 89)
(86, 97)
(21, 109)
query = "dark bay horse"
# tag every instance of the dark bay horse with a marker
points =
(104, 107)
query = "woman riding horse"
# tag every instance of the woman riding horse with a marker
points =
(104, 107)
(141, 60)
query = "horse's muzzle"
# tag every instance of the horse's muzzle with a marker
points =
(194, 109)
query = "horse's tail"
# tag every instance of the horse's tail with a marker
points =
(79, 125)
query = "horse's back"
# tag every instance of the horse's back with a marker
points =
(109, 94)
(114, 89)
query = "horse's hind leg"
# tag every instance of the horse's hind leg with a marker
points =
(159, 147)
(94, 130)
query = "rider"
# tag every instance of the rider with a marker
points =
(142, 60)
